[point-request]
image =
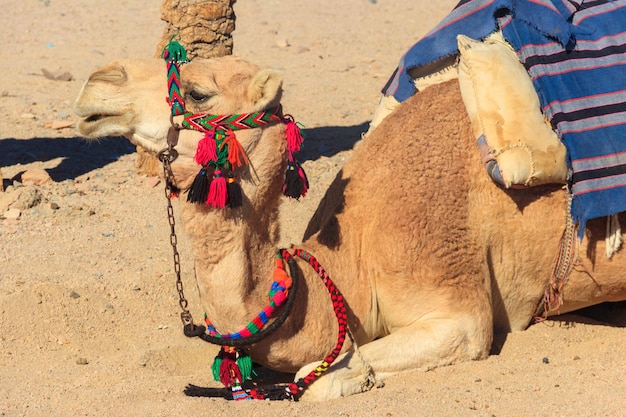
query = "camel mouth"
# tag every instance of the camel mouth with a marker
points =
(94, 118)
(103, 124)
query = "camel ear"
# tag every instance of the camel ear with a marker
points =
(265, 87)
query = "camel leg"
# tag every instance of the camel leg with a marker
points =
(424, 345)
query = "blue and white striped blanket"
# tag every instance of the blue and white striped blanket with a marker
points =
(575, 53)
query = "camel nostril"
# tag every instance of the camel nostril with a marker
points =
(115, 75)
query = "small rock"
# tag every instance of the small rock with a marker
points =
(82, 361)
(82, 178)
(7, 199)
(118, 179)
(54, 206)
(57, 75)
(35, 176)
(27, 116)
(28, 197)
(546, 360)
(61, 124)
(12, 214)
(283, 43)
(152, 182)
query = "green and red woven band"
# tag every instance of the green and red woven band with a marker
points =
(175, 55)
(203, 122)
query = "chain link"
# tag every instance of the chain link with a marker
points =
(167, 156)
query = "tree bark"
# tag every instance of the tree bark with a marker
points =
(204, 28)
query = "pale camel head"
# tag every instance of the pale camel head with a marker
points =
(128, 97)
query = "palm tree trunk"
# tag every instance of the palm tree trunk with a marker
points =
(204, 27)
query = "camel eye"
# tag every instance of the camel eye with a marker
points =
(198, 97)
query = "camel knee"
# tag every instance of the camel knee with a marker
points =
(348, 375)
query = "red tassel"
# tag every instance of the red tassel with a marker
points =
(230, 374)
(206, 150)
(236, 155)
(294, 136)
(217, 191)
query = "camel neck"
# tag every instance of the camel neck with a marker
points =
(233, 262)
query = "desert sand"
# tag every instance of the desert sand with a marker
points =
(89, 316)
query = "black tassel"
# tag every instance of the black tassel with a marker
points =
(199, 190)
(235, 195)
(296, 183)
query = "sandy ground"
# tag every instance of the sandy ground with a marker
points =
(88, 310)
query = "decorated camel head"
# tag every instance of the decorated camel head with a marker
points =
(424, 256)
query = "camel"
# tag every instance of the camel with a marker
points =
(432, 257)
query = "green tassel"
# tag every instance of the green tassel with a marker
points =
(176, 52)
(244, 361)
(217, 362)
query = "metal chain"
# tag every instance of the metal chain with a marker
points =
(166, 156)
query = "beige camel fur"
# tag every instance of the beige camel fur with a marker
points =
(431, 256)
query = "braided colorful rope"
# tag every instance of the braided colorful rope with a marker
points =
(279, 291)
(175, 55)
(204, 122)
(294, 389)
(232, 366)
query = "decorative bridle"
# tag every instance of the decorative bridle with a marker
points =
(219, 154)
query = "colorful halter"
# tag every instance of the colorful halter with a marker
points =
(232, 366)
(219, 153)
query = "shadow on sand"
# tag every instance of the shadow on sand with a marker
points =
(329, 140)
(78, 154)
